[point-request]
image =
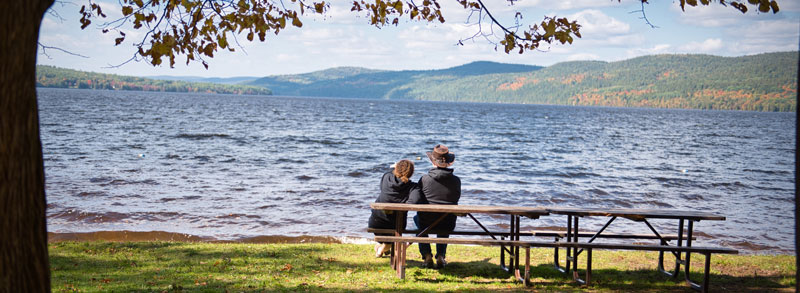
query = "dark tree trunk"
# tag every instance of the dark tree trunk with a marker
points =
(24, 266)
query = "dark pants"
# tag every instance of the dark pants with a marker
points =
(423, 220)
(379, 220)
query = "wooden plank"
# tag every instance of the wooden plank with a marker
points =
(537, 233)
(531, 212)
(637, 214)
(617, 246)
(455, 232)
(466, 241)
(563, 234)
(693, 249)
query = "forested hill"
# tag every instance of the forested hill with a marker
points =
(764, 82)
(49, 76)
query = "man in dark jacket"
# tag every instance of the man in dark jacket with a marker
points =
(439, 186)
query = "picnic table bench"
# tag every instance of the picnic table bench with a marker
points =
(574, 247)
(684, 237)
(514, 212)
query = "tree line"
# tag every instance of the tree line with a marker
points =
(54, 77)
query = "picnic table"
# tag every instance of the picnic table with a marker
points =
(684, 236)
(574, 247)
(514, 212)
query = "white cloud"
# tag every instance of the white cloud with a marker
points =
(657, 49)
(766, 36)
(707, 46)
(582, 57)
(563, 4)
(597, 23)
(716, 15)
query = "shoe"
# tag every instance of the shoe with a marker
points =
(387, 249)
(379, 249)
(428, 261)
(440, 262)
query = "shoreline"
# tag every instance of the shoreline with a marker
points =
(144, 236)
(148, 236)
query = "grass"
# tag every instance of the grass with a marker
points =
(239, 267)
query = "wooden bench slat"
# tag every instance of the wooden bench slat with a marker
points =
(537, 233)
(563, 234)
(484, 242)
(456, 232)
(618, 246)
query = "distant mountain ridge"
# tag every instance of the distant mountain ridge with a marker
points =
(221, 80)
(763, 82)
(55, 77)
(357, 82)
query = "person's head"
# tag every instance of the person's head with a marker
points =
(441, 156)
(403, 170)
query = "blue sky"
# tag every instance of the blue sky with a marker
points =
(611, 32)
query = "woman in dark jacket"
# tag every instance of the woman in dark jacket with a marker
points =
(395, 188)
(439, 186)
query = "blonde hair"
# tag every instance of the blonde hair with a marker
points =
(403, 170)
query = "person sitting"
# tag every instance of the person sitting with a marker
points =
(439, 186)
(395, 188)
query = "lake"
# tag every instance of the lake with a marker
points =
(232, 167)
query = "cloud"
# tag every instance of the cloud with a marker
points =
(657, 49)
(716, 15)
(765, 36)
(707, 46)
(596, 23)
(563, 4)
(582, 57)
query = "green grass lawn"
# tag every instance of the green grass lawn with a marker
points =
(216, 267)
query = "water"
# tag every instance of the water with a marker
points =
(230, 167)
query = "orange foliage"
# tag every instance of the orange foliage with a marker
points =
(614, 99)
(573, 78)
(516, 84)
(513, 86)
(666, 74)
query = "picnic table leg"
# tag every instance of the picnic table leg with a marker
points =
(677, 254)
(402, 269)
(511, 254)
(575, 250)
(527, 266)
(516, 248)
(688, 258)
(569, 249)
(502, 253)
(398, 249)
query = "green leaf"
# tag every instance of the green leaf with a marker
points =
(296, 22)
(127, 10)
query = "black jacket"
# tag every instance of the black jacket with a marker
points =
(393, 190)
(439, 186)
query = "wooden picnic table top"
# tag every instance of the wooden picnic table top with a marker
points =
(531, 212)
(637, 214)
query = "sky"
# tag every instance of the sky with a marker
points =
(611, 31)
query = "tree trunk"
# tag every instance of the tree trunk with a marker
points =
(24, 265)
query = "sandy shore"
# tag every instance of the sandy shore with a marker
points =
(132, 236)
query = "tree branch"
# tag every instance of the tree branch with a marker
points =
(45, 48)
(644, 16)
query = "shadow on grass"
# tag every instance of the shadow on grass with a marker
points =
(546, 276)
(170, 266)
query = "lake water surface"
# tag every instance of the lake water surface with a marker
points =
(232, 167)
